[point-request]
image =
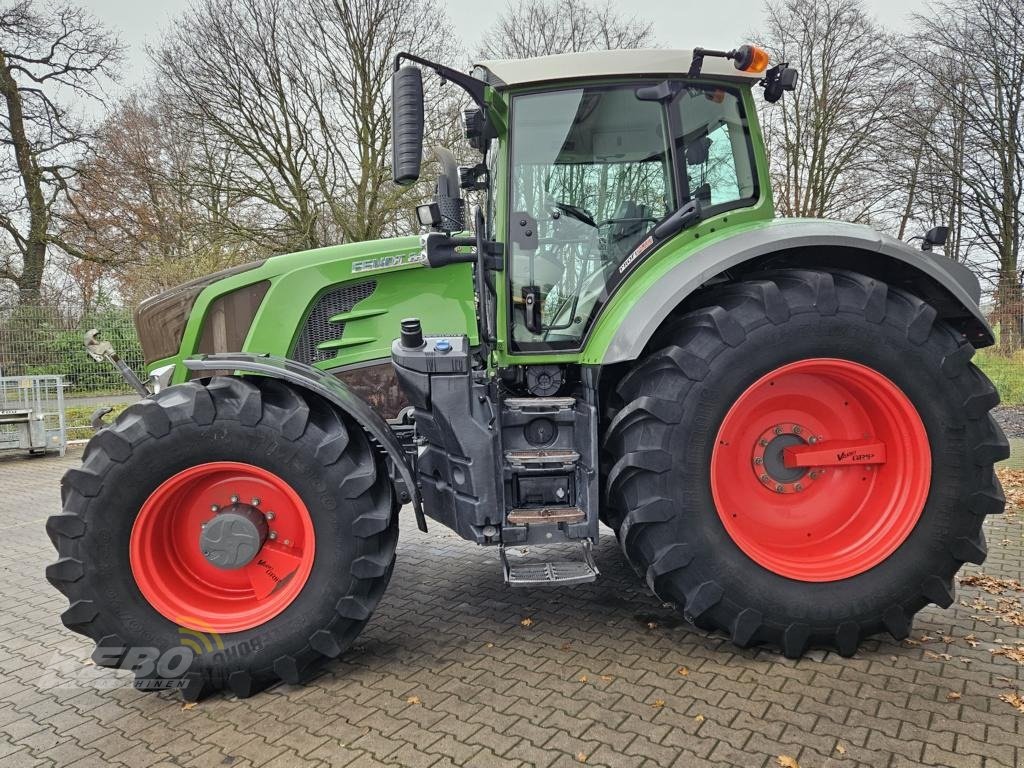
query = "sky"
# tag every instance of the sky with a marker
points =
(678, 23)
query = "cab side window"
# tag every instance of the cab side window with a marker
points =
(714, 145)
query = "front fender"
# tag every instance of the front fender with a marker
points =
(678, 280)
(332, 390)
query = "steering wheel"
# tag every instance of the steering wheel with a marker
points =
(577, 213)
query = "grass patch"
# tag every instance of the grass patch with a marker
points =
(76, 419)
(1006, 372)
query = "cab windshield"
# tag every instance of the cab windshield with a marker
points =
(593, 169)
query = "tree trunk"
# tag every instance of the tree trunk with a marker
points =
(33, 249)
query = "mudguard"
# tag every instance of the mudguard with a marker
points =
(778, 236)
(332, 390)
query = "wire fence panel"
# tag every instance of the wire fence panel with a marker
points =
(38, 341)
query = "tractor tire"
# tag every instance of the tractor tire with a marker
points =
(842, 369)
(156, 547)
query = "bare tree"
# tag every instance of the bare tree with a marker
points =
(299, 92)
(152, 201)
(975, 64)
(544, 27)
(47, 54)
(827, 140)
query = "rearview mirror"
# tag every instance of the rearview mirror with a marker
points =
(934, 236)
(406, 125)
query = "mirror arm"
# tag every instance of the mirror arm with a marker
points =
(475, 88)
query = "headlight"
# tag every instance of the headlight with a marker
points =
(161, 319)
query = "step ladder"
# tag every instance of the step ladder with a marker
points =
(539, 573)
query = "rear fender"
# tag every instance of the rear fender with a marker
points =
(335, 392)
(811, 243)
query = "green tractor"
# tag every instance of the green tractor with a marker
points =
(778, 418)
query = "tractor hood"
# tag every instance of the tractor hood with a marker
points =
(330, 307)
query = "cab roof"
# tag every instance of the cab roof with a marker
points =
(502, 73)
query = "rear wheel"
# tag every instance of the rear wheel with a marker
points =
(806, 459)
(240, 527)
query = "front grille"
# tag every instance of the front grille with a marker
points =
(318, 327)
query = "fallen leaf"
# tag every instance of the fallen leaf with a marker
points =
(489, 645)
(991, 584)
(607, 678)
(527, 622)
(658, 703)
(652, 625)
(581, 757)
(189, 705)
(947, 639)
(911, 643)
(566, 646)
(413, 700)
(699, 718)
(785, 761)
(684, 671)
(894, 658)
(971, 641)
(1016, 654)
(952, 696)
(583, 678)
(934, 655)
(840, 749)
(926, 638)
(1014, 700)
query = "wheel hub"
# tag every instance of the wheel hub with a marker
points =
(769, 459)
(234, 536)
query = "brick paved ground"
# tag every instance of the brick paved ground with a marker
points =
(486, 690)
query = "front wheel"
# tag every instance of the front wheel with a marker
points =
(805, 460)
(224, 534)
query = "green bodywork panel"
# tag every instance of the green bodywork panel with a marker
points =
(442, 298)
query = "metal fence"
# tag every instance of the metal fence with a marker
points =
(39, 341)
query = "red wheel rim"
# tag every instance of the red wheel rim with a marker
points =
(172, 573)
(821, 469)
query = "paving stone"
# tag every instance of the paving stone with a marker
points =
(494, 693)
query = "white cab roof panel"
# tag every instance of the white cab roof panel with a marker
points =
(626, 62)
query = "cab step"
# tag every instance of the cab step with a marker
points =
(556, 573)
(546, 515)
(540, 458)
(539, 404)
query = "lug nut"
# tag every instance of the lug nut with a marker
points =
(272, 535)
(778, 430)
(814, 475)
(798, 487)
(234, 499)
(812, 440)
(765, 479)
(270, 515)
(758, 460)
(796, 429)
(779, 489)
(214, 508)
(255, 502)
(763, 443)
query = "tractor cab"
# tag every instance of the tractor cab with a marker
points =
(588, 163)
